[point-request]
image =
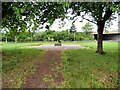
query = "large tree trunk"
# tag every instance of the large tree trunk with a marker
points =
(100, 37)
(101, 25)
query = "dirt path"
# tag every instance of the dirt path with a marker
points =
(48, 73)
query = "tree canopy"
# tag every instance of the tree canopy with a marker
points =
(100, 12)
(41, 12)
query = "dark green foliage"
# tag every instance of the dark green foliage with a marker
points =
(62, 35)
(41, 12)
(50, 35)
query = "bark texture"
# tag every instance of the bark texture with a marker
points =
(100, 37)
(100, 25)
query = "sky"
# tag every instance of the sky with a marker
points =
(55, 26)
(79, 25)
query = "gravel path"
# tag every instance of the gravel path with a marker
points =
(52, 47)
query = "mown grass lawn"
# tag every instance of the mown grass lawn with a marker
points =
(86, 69)
(83, 68)
(12, 45)
(18, 63)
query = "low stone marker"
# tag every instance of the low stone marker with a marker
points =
(58, 43)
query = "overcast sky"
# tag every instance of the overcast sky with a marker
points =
(79, 24)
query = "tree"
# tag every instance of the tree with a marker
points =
(100, 12)
(42, 12)
(39, 12)
(12, 20)
(87, 28)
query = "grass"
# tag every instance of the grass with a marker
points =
(12, 45)
(18, 63)
(83, 68)
(86, 69)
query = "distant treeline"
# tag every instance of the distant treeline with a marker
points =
(48, 35)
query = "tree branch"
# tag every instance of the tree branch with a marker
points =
(74, 20)
(89, 20)
(107, 15)
(83, 18)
